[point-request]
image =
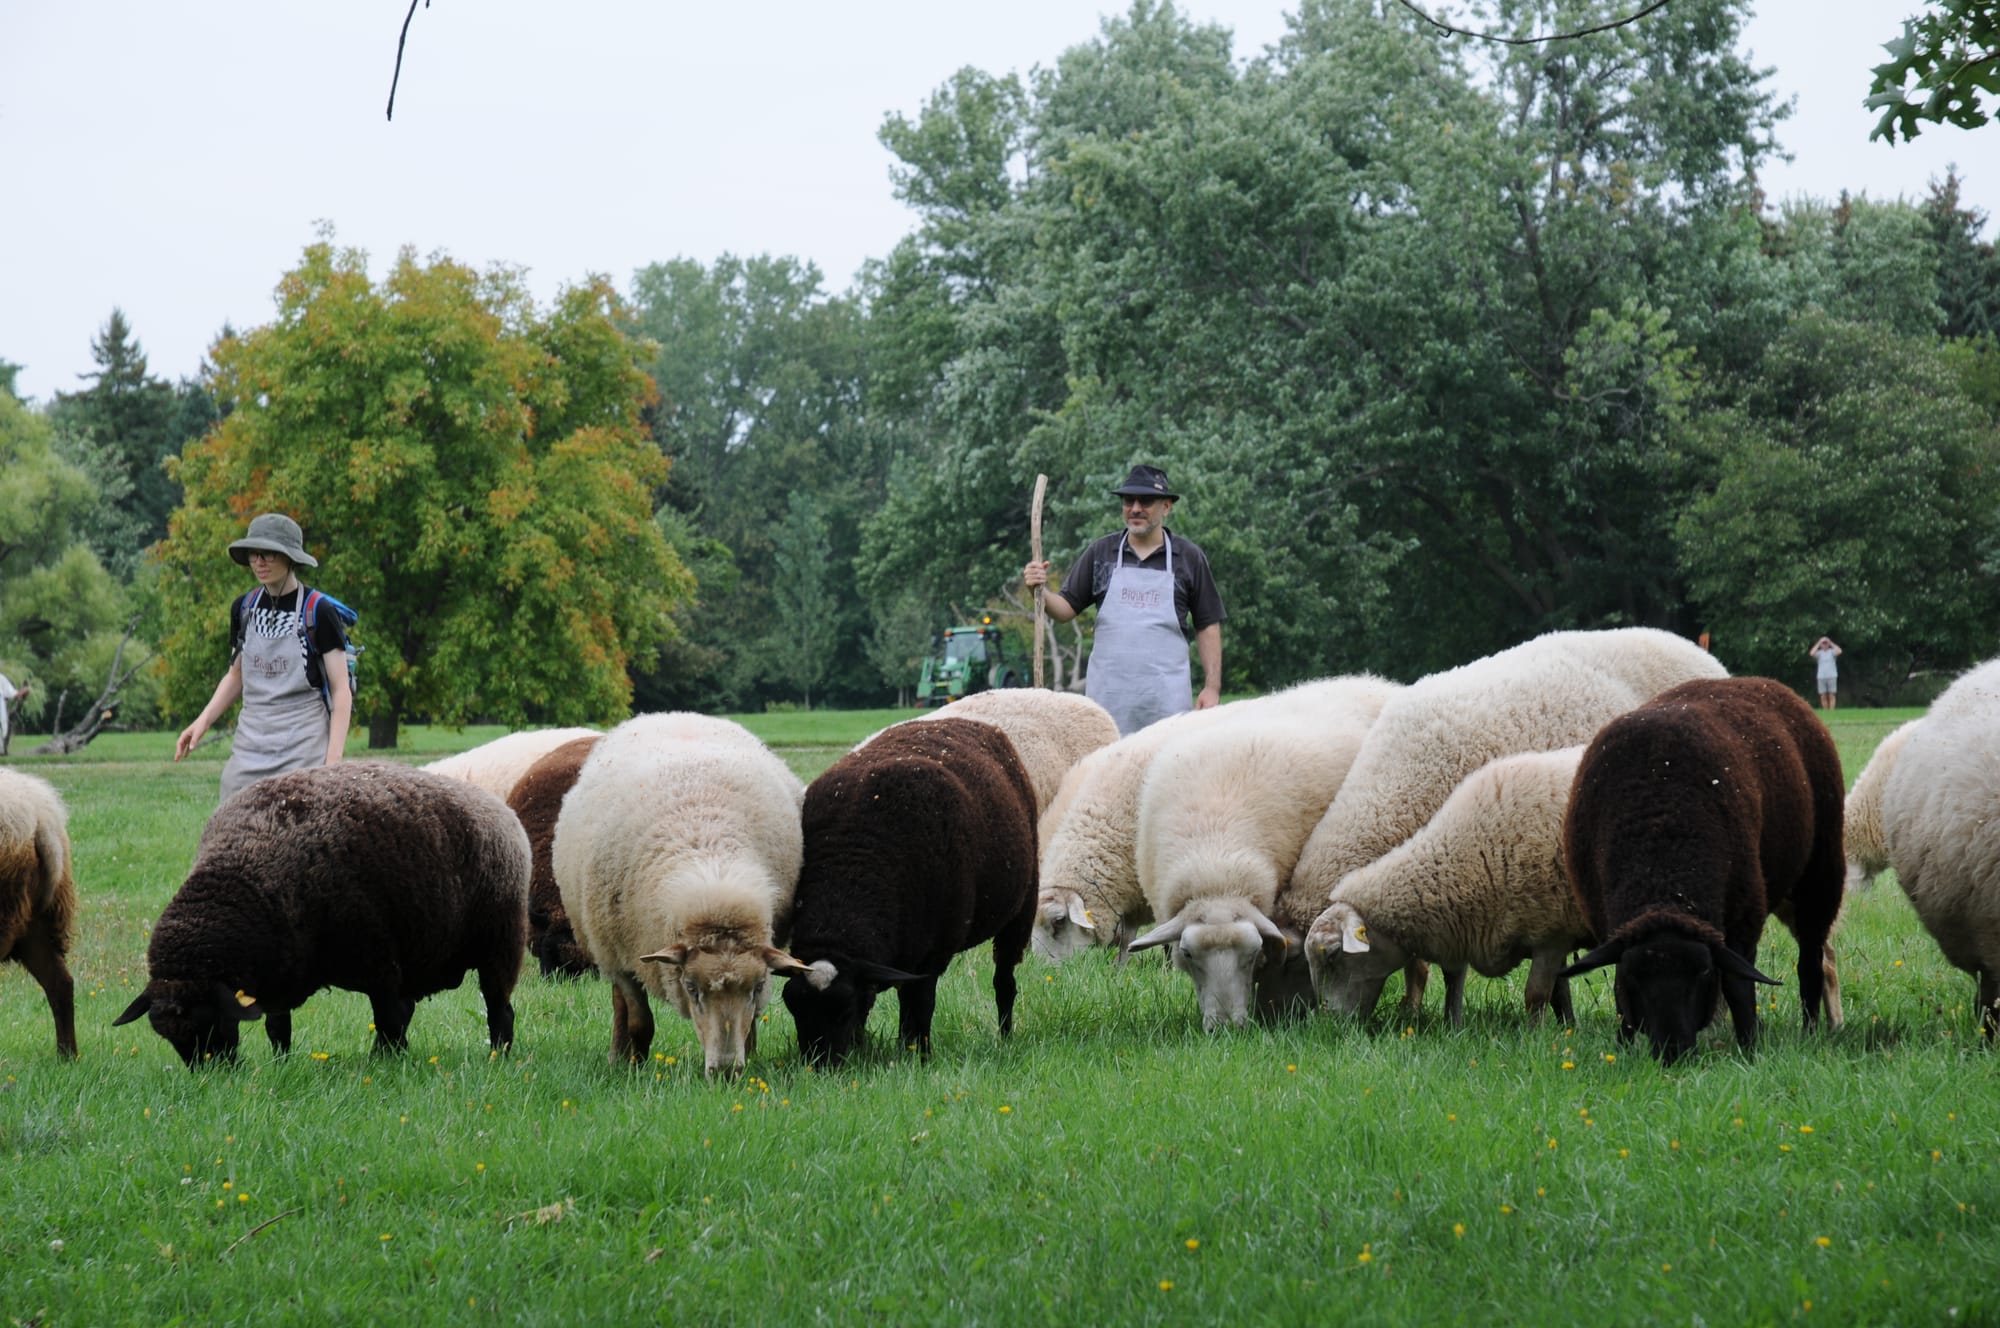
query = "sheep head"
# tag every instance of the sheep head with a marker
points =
(830, 1000)
(201, 1021)
(1666, 986)
(1349, 963)
(1220, 943)
(721, 985)
(1063, 926)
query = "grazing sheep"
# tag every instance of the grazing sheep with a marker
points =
(1222, 817)
(917, 846)
(38, 894)
(496, 765)
(367, 876)
(1941, 813)
(1051, 731)
(1090, 833)
(676, 854)
(537, 799)
(1482, 885)
(1867, 846)
(1693, 818)
(1554, 691)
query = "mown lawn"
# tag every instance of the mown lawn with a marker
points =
(1108, 1163)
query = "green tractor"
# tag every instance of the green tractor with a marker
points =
(966, 660)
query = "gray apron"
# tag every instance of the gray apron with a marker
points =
(1139, 659)
(284, 724)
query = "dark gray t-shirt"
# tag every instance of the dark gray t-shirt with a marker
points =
(1195, 596)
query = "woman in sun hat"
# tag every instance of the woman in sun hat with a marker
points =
(291, 676)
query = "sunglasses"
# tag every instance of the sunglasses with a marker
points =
(1132, 500)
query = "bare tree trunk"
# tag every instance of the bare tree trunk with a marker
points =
(100, 712)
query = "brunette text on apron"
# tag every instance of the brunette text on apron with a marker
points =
(1139, 659)
(284, 723)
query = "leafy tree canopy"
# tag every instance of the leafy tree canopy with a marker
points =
(473, 473)
(1937, 70)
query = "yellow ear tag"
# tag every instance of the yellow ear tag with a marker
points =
(245, 1001)
(1361, 932)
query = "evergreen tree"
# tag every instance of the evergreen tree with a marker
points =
(132, 418)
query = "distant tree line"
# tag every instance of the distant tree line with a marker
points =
(1446, 343)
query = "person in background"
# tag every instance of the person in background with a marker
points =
(1153, 593)
(9, 692)
(1825, 651)
(276, 666)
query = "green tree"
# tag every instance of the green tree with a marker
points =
(1857, 493)
(806, 630)
(1936, 71)
(128, 423)
(63, 617)
(1968, 269)
(473, 472)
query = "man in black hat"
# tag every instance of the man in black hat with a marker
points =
(1153, 594)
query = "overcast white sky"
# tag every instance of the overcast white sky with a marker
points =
(172, 159)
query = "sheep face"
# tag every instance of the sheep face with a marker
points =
(1349, 964)
(1667, 986)
(830, 1005)
(202, 1021)
(721, 991)
(1220, 943)
(1063, 926)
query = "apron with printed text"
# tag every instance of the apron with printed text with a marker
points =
(284, 724)
(1139, 659)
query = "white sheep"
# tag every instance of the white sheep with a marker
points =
(496, 766)
(1089, 871)
(1867, 848)
(38, 894)
(1223, 814)
(677, 854)
(1938, 813)
(1482, 885)
(1051, 731)
(1554, 691)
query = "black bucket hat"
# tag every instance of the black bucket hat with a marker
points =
(1146, 482)
(274, 532)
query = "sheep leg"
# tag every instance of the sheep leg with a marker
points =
(631, 1021)
(1008, 946)
(1741, 995)
(278, 1028)
(1812, 981)
(1830, 971)
(496, 986)
(1416, 974)
(916, 1002)
(1989, 1003)
(392, 1020)
(1544, 986)
(1454, 997)
(40, 955)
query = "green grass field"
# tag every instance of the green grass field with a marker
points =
(1109, 1163)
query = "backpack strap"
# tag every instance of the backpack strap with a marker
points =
(308, 611)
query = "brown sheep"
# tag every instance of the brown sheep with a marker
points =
(537, 798)
(38, 894)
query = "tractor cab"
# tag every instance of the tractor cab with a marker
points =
(965, 660)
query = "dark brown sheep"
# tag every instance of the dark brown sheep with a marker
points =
(917, 846)
(1692, 819)
(38, 894)
(537, 799)
(366, 876)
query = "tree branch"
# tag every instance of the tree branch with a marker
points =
(397, 76)
(1534, 41)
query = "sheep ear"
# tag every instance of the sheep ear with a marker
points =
(1729, 961)
(818, 975)
(135, 1009)
(1080, 915)
(1596, 959)
(1165, 934)
(1276, 940)
(238, 1003)
(1353, 933)
(673, 954)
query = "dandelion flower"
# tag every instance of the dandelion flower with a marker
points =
(1193, 1244)
(1005, 1110)
(1366, 1256)
(242, 1198)
(1166, 1286)
(1805, 1129)
(1824, 1241)
(1458, 1230)
(387, 1236)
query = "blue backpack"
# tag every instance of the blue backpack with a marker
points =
(308, 615)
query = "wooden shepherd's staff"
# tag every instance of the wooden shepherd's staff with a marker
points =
(1035, 552)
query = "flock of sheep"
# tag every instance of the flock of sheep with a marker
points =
(1611, 792)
